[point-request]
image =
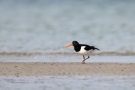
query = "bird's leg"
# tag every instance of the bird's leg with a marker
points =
(83, 57)
(83, 62)
(88, 57)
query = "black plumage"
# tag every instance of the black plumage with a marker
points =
(83, 49)
(77, 46)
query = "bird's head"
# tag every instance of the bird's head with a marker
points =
(74, 43)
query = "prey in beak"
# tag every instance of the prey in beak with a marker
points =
(69, 45)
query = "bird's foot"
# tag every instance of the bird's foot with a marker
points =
(83, 62)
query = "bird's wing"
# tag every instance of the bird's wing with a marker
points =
(87, 47)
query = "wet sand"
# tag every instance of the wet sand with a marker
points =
(66, 69)
(65, 72)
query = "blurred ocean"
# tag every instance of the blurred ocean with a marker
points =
(47, 25)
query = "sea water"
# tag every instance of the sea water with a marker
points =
(49, 25)
(68, 83)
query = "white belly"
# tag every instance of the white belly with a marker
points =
(84, 52)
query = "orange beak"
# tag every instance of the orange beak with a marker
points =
(69, 45)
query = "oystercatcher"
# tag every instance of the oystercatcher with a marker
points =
(82, 49)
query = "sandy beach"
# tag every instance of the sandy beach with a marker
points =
(65, 65)
(34, 33)
(66, 69)
(65, 72)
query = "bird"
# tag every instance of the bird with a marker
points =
(82, 49)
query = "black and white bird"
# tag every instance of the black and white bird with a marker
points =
(83, 49)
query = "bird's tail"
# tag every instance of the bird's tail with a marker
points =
(97, 48)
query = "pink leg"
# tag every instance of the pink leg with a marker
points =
(83, 62)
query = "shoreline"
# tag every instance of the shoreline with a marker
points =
(104, 53)
(66, 69)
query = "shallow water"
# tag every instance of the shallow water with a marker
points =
(68, 58)
(68, 83)
(50, 25)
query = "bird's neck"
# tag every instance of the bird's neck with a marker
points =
(77, 48)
